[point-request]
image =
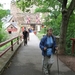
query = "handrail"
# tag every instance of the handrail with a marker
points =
(12, 44)
(7, 41)
(72, 39)
(73, 45)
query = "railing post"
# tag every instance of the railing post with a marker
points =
(20, 37)
(73, 44)
(18, 40)
(11, 45)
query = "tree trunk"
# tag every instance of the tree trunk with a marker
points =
(63, 31)
(65, 19)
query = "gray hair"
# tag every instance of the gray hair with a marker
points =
(49, 29)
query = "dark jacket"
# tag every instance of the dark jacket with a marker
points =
(25, 34)
(43, 44)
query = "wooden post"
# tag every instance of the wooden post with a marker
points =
(73, 44)
(18, 40)
(11, 45)
(73, 47)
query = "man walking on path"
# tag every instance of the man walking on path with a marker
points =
(25, 35)
(48, 46)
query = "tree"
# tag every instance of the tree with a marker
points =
(66, 13)
(3, 36)
(3, 13)
(22, 4)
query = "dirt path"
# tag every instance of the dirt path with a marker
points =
(68, 60)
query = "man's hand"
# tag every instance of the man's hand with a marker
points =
(56, 48)
(45, 48)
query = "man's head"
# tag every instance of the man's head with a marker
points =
(49, 31)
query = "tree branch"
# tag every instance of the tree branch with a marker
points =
(64, 4)
(61, 1)
(71, 7)
(64, 9)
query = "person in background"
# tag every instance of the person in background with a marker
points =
(25, 35)
(30, 30)
(48, 46)
(28, 35)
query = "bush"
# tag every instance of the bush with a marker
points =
(70, 34)
(3, 35)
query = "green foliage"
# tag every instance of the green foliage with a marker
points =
(3, 35)
(1, 24)
(39, 35)
(53, 23)
(48, 3)
(43, 10)
(43, 31)
(5, 46)
(70, 34)
(22, 4)
(3, 13)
